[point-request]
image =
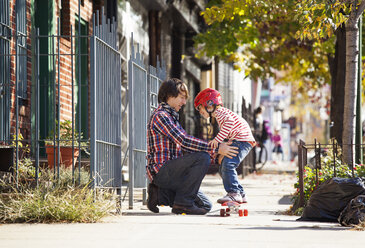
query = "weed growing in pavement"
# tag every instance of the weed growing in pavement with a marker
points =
(359, 227)
(54, 200)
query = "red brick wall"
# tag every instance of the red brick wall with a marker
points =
(70, 10)
(24, 110)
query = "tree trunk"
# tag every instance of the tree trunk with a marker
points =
(337, 69)
(352, 50)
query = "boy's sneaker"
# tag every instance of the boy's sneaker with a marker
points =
(244, 200)
(231, 197)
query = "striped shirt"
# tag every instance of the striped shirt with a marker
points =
(166, 139)
(232, 126)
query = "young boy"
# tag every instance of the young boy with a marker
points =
(234, 128)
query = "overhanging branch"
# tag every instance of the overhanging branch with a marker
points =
(360, 9)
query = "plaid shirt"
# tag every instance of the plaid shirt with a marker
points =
(166, 139)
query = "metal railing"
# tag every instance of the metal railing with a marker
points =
(106, 105)
(143, 85)
(320, 150)
(249, 163)
(60, 95)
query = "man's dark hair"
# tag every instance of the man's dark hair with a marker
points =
(171, 88)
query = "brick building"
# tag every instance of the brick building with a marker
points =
(59, 23)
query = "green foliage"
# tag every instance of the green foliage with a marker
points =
(66, 137)
(65, 134)
(326, 172)
(26, 168)
(54, 200)
(260, 38)
(319, 19)
(39, 205)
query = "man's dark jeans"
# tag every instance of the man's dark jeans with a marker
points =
(179, 181)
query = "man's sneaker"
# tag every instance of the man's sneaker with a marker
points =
(231, 197)
(193, 210)
(152, 200)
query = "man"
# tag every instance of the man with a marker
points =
(176, 178)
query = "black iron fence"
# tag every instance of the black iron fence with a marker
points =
(249, 163)
(69, 106)
(318, 157)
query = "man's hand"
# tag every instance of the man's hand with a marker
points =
(220, 158)
(226, 150)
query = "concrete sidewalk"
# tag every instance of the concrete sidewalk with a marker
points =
(268, 196)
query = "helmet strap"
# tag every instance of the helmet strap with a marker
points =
(210, 115)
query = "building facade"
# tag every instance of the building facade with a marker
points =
(58, 33)
(52, 32)
(165, 30)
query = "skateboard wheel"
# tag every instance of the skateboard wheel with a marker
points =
(222, 213)
(245, 212)
(240, 213)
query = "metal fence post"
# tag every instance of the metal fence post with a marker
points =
(130, 125)
(301, 174)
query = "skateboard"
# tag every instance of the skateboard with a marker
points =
(232, 207)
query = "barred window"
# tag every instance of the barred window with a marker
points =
(5, 35)
(22, 48)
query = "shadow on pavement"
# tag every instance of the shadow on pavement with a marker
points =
(143, 213)
(294, 228)
(286, 200)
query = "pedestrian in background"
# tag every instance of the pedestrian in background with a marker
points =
(264, 137)
(258, 120)
(278, 148)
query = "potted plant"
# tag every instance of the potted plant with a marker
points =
(67, 148)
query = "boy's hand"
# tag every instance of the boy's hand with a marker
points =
(213, 143)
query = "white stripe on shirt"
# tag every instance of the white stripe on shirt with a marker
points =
(232, 126)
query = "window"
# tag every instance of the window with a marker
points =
(81, 76)
(21, 49)
(65, 19)
(5, 35)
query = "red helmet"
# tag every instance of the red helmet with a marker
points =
(208, 97)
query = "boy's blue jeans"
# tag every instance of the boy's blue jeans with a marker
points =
(179, 181)
(227, 170)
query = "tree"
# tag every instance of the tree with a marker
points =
(337, 66)
(319, 19)
(269, 38)
(260, 38)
